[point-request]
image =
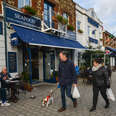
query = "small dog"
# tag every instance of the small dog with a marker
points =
(48, 100)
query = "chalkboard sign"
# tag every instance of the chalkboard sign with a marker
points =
(12, 59)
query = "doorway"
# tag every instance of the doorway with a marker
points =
(49, 66)
(35, 63)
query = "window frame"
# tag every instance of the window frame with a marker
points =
(23, 3)
(78, 25)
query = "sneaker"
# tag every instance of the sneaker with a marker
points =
(5, 104)
(92, 109)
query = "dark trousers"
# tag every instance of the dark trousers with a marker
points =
(96, 91)
(66, 89)
(3, 95)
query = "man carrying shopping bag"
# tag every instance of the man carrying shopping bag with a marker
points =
(67, 77)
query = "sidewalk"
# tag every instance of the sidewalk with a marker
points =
(32, 107)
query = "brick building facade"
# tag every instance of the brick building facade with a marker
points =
(59, 7)
(44, 65)
(109, 40)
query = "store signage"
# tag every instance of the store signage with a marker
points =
(17, 17)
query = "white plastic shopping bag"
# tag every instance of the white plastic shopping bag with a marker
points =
(75, 93)
(110, 94)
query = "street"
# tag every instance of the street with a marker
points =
(32, 107)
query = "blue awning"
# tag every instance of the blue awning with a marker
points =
(33, 37)
(111, 49)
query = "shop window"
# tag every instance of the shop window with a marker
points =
(22, 3)
(1, 28)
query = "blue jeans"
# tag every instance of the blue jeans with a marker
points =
(66, 89)
(3, 95)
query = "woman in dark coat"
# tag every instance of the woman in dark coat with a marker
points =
(100, 83)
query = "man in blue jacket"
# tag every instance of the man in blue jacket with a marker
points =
(67, 77)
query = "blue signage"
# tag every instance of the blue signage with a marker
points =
(93, 40)
(17, 17)
(93, 22)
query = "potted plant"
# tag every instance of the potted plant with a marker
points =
(59, 18)
(25, 77)
(64, 21)
(101, 39)
(26, 81)
(29, 10)
(80, 31)
(54, 18)
(70, 27)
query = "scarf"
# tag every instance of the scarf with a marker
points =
(96, 68)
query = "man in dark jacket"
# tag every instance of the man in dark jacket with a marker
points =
(67, 78)
(100, 83)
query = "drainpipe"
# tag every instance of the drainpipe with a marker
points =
(5, 34)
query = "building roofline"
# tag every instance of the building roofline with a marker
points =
(86, 11)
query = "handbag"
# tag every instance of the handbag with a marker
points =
(110, 94)
(75, 93)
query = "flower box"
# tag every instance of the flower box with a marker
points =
(80, 31)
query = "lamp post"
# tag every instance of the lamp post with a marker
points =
(5, 33)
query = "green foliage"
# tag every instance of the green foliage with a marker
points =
(80, 31)
(25, 76)
(59, 18)
(70, 27)
(62, 20)
(30, 10)
(92, 54)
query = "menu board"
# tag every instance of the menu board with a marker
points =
(12, 62)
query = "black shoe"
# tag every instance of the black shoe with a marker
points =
(92, 109)
(75, 104)
(107, 106)
(61, 109)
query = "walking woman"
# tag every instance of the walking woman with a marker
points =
(100, 83)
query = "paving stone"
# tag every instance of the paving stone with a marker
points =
(32, 107)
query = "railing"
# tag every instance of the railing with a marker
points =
(69, 35)
(61, 28)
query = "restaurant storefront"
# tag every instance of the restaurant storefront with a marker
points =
(35, 52)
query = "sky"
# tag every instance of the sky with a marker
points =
(105, 10)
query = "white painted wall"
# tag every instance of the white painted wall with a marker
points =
(2, 52)
(10, 49)
(82, 16)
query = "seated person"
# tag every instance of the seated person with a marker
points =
(4, 75)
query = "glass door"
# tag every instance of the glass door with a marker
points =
(49, 67)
